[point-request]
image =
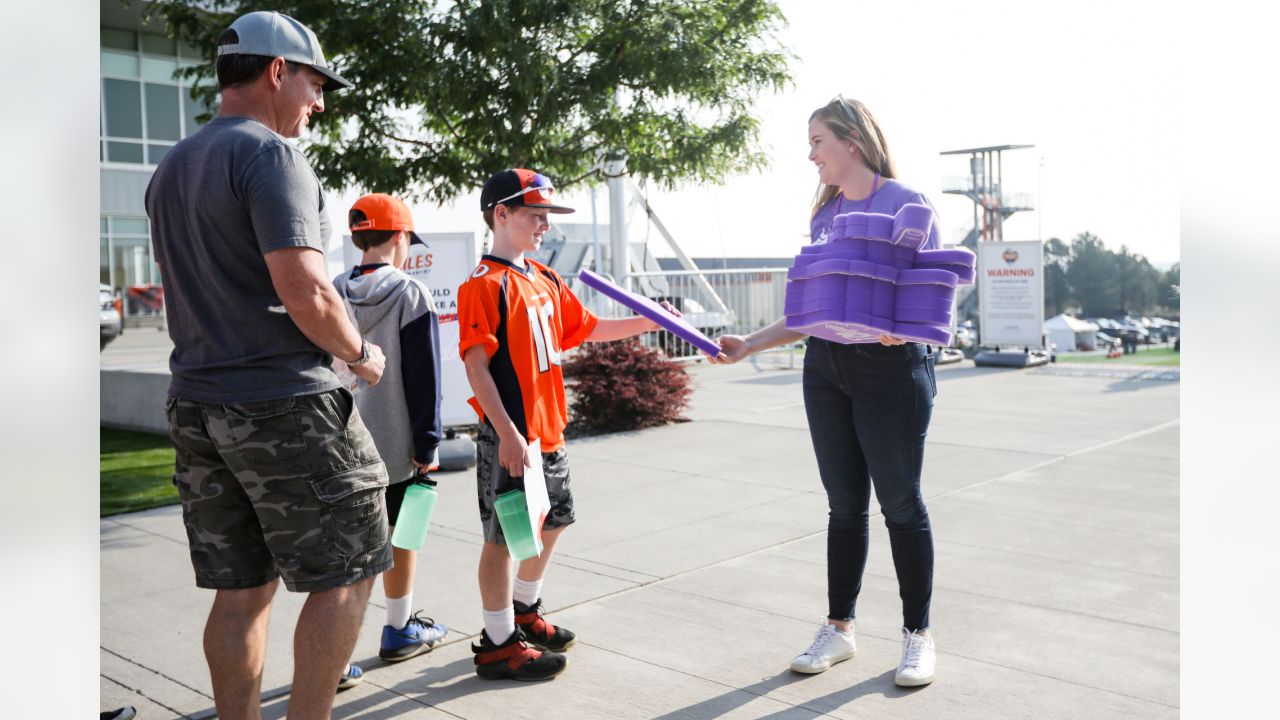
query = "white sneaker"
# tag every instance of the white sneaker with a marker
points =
(829, 647)
(918, 659)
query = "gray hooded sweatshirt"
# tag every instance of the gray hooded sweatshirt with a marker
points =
(396, 313)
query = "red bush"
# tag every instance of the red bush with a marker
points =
(623, 385)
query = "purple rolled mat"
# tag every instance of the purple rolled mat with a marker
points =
(837, 265)
(927, 277)
(926, 334)
(676, 325)
(904, 258)
(964, 275)
(880, 252)
(950, 256)
(958, 260)
(931, 304)
(883, 296)
(911, 225)
(874, 226)
(911, 293)
(923, 316)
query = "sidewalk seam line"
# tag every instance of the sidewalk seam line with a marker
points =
(139, 691)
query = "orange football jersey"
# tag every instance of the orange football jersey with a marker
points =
(524, 319)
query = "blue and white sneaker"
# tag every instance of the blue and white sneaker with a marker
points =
(351, 677)
(418, 636)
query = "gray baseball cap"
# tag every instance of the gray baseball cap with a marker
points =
(276, 35)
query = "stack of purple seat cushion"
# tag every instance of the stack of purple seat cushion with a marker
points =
(873, 279)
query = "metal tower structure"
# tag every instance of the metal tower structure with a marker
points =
(984, 186)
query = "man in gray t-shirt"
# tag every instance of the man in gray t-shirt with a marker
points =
(278, 476)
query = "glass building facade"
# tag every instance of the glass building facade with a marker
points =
(144, 111)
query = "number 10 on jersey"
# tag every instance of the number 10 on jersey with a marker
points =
(543, 338)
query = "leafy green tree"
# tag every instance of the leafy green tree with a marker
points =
(446, 93)
(1057, 291)
(1139, 283)
(1094, 276)
(1171, 288)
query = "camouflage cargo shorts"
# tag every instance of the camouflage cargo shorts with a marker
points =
(291, 488)
(492, 478)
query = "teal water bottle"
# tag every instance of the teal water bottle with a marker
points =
(415, 514)
(517, 528)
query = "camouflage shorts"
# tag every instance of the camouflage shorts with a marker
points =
(492, 478)
(290, 488)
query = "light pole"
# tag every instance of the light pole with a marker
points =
(1040, 199)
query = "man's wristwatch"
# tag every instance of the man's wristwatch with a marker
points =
(364, 354)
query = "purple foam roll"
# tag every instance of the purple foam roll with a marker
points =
(964, 275)
(827, 291)
(867, 323)
(676, 325)
(911, 293)
(926, 334)
(825, 265)
(927, 277)
(943, 305)
(911, 225)
(875, 226)
(834, 327)
(952, 256)
(852, 248)
(860, 292)
(904, 258)
(883, 295)
(880, 253)
(923, 316)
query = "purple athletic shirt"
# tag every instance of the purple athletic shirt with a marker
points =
(890, 196)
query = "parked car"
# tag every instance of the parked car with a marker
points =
(109, 316)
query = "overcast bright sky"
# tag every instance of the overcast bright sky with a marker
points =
(1090, 84)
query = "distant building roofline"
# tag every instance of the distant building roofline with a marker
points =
(992, 148)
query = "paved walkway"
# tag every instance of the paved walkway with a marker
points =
(696, 571)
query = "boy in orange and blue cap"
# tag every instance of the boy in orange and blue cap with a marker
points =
(516, 317)
(402, 412)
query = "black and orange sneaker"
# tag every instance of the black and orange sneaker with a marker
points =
(515, 660)
(540, 633)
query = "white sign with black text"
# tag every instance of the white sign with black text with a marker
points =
(1011, 293)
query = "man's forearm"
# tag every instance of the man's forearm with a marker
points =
(322, 317)
(298, 276)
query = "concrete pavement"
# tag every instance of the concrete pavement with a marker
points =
(696, 571)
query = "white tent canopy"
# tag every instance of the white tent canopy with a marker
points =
(1070, 333)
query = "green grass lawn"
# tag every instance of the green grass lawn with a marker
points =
(135, 471)
(1161, 356)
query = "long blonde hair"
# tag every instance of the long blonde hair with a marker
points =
(850, 120)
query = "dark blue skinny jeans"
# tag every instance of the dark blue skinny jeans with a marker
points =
(869, 408)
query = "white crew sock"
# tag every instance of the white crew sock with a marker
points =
(398, 611)
(527, 591)
(500, 624)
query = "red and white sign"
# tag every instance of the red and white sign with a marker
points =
(1011, 293)
(442, 264)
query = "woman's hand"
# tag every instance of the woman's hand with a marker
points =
(732, 349)
(891, 340)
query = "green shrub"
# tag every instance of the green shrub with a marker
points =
(623, 385)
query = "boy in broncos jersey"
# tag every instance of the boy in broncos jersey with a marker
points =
(516, 316)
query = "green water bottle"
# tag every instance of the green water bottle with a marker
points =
(517, 528)
(415, 514)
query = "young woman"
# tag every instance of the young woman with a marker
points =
(868, 406)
